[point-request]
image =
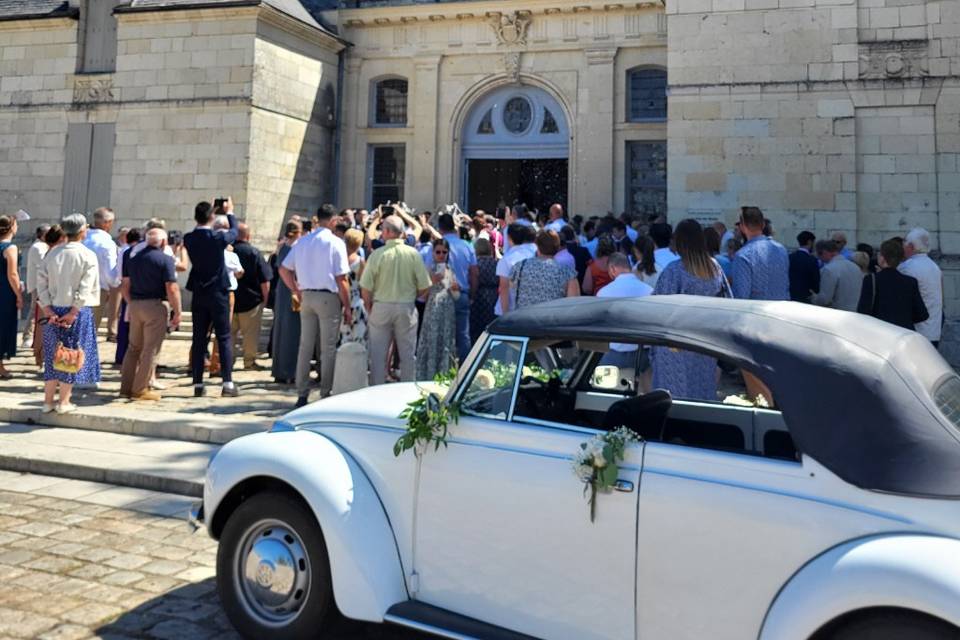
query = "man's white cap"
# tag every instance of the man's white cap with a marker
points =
(22, 215)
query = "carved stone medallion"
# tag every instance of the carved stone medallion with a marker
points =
(510, 29)
(94, 89)
(904, 59)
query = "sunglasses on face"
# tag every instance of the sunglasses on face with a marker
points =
(440, 253)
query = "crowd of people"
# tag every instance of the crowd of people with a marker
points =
(364, 296)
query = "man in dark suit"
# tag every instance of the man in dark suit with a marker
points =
(804, 269)
(210, 284)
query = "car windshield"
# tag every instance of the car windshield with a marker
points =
(947, 397)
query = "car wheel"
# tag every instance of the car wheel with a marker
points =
(895, 625)
(273, 573)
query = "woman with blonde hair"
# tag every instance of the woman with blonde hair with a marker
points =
(686, 374)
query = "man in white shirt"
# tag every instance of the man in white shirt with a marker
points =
(316, 271)
(624, 283)
(34, 257)
(557, 219)
(662, 233)
(102, 244)
(918, 264)
(521, 247)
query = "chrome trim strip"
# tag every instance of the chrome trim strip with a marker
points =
(420, 626)
(556, 426)
(779, 492)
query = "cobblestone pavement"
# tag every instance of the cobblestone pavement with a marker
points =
(72, 570)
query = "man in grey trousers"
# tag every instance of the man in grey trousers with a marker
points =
(316, 271)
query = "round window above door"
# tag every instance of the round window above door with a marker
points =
(518, 115)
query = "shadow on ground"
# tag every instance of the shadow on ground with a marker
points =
(193, 612)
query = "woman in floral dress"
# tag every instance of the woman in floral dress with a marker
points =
(541, 278)
(436, 352)
(356, 331)
(68, 287)
(686, 374)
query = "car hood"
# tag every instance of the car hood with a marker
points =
(380, 406)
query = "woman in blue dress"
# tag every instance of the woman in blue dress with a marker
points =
(686, 374)
(11, 298)
(285, 338)
(68, 287)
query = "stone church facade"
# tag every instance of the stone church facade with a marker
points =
(828, 114)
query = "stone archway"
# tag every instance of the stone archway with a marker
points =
(515, 147)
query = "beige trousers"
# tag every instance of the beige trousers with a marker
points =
(392, 321)
(148, 328)
(247, 323)
(108, 308)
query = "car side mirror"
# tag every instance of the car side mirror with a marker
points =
(606, 377)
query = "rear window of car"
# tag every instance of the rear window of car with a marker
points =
(947, 397)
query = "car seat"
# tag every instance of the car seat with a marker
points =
(645, 415)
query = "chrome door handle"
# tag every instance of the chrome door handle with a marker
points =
(624, 486)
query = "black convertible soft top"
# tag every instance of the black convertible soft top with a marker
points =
(855, 392)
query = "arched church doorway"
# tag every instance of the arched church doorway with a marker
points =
(516, 146)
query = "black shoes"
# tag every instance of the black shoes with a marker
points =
(199, 391)
(302, 401)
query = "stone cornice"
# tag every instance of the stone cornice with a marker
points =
(293, 26)
(33, 24)
(403, 14)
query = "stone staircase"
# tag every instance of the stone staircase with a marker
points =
(185, 332)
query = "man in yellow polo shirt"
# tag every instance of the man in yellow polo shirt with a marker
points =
(394, 277)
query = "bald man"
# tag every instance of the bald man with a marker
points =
(253, 288)
(557, 219)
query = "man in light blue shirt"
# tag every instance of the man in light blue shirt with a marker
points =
(463, 261)
(761, 269)
(101, 243)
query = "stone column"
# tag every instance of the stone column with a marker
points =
(422, 151)
(592, 160)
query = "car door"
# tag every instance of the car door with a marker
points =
(503, 530)
(721, 532)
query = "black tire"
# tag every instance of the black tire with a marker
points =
(895, 625)
(313, 609)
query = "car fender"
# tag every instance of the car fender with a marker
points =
(916, 572)
(364, 561)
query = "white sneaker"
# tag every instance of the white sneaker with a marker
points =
(156, 385)
(66, 408)
(46, 408)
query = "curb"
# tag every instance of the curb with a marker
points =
(130, 479)
(200, 427)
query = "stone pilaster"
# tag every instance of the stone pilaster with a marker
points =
(594, 141)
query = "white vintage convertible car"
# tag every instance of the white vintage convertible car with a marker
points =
(834, 516)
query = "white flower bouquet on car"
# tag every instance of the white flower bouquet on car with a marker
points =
(597, 461)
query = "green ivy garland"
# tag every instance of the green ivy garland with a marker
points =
(428, 418)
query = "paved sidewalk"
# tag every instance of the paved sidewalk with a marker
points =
(82, 560)
(171, 466)
(177, 415)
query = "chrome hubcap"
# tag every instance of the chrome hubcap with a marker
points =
(273, 572)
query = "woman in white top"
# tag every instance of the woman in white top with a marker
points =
(68, 287)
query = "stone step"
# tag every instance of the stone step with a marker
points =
(127, 419)
(153, 464)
